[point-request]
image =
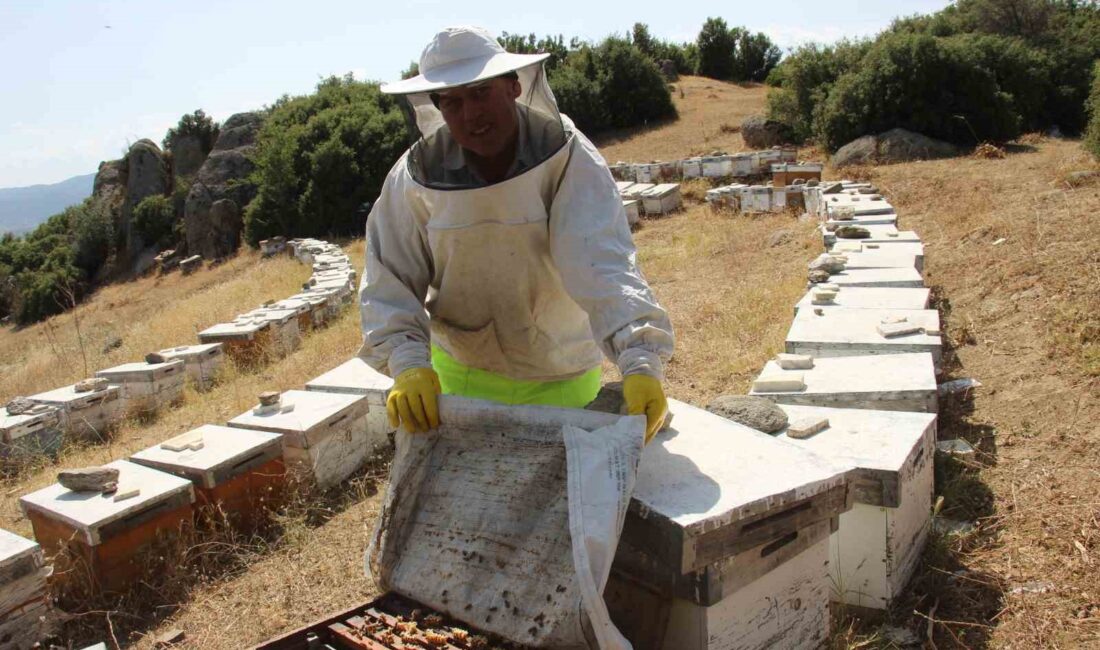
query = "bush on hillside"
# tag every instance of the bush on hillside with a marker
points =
(716, 45)
(916, 82)
(197, 124)
(734, 53)
(92, 233)
(552, 45)
(612, 85)
(1092, 133)
(319, 157)
(803, 81)
(155, 220)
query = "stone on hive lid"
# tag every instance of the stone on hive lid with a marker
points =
(155, 357)
(754, 412)
(89, 479)
(90, 385)
(776, 383)
(19, 406)
(788, 361)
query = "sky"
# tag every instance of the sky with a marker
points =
(84, 79)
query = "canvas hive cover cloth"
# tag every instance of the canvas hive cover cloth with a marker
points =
(507, 518)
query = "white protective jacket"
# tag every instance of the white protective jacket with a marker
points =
(528, 278)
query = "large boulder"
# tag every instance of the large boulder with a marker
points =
(893, 146)
(215, 233)
(147, 174)
(761, 133)
(187, 155)
(109, 189)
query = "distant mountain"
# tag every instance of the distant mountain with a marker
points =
(23, 208)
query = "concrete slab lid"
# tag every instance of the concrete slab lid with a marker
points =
(842, 325)
(874, 298)
(331, 284)
(272, 315)
(310, 409)
(297, 305)
(230, 329)
(908, 275)
(313, 299)
(185, 351)
(706, 472)
(68, 394)
(354, 373)
(90, 511)
(14, 548)
(222, 446)
(892, 248)
(658, 191)
(622, 185)
(872, 373)
(878, 259)
(862, 438)
(137, 366)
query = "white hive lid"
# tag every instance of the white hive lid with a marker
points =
(354, 375)
(310, 410)
(223, 447)
(14, 548)
(88, 512)
(68, 394)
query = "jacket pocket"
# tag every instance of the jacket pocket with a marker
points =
(477, 348)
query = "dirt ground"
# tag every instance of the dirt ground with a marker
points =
(1021, 315)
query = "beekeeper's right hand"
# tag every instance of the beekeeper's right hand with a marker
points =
(413, 400)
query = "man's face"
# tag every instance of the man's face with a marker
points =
(482, 116)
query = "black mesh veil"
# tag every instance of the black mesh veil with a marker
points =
(542, 133)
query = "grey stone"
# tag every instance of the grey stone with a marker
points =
(761, 133)
(19, 406)
(827, 263)
(1082, 177)
(895, 145)
(188, 155)
(819, 275)
(113, 342)
(155, 357)
(813, 182)
(852, 232)
(756, 412)
(269, 398)
(90, 385)
(89, 479)
(147, 174)
(832, 188)
(779, 237)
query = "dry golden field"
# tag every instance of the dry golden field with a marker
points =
(1021, 316)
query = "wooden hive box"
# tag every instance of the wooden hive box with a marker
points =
(890, 219)
(29, 435)
(870, 298)
(756, 198)
(646, 173)
(898, 277)
(24, 599)
(333, 300)
(148, 387)
(302, 309)
(88, 415)
(662, 199)
(788, 173)
(717, 166)
(862, 205)
(691, 168)
(237, 471)
(742, 164)
(201, 362)
(355, 377)
(108, 538)
(285, 334)
(623, 185)
(633, 214)
(722, 519)
(885, 382)
(318, 308)
(879, 541)
(343, 289)
(841, 332)
(244, 339)
(779, 198)
(325, 435)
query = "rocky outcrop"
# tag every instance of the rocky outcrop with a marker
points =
(147, 174)
(893, 146)
(761, 133)
(212, 212)
(188, 155)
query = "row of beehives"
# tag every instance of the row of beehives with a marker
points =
(753, 163)
(86, 410)
(767, 529)
(649, 199)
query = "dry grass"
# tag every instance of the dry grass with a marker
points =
(711, 113)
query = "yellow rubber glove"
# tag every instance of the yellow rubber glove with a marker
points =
(413, 400)
(643, 394)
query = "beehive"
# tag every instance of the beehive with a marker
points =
(318, 306)
(880, 234)
(201, 362)
(634, 192)
(788, 173)
(238, 472)
(717, 166)
(841, 332)
(882, 256)
(886, 382)
(87, 415)
(632, 214)
(147, 387)
(325, 435)
(303, 311)
(25, 617)
(32, 434)
(691, 168)
(662, 199)
(355, 377)
(723, 518)
(879, 542)
(285, 334)
(870, 298)
(106, 538)
(892, 277)
(244, 339)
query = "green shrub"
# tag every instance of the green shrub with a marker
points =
(803, 80)
(198, 124)
(155, 220)
(1022, 71)
(716, 45)
(914, 81)
(578, 97)
(1092, 132)
(319, 157)
(92, 231)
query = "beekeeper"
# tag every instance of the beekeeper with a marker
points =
(499, 260)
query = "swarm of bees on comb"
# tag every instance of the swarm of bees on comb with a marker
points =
(414, 630)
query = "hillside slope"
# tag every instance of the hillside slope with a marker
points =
(23, 208)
